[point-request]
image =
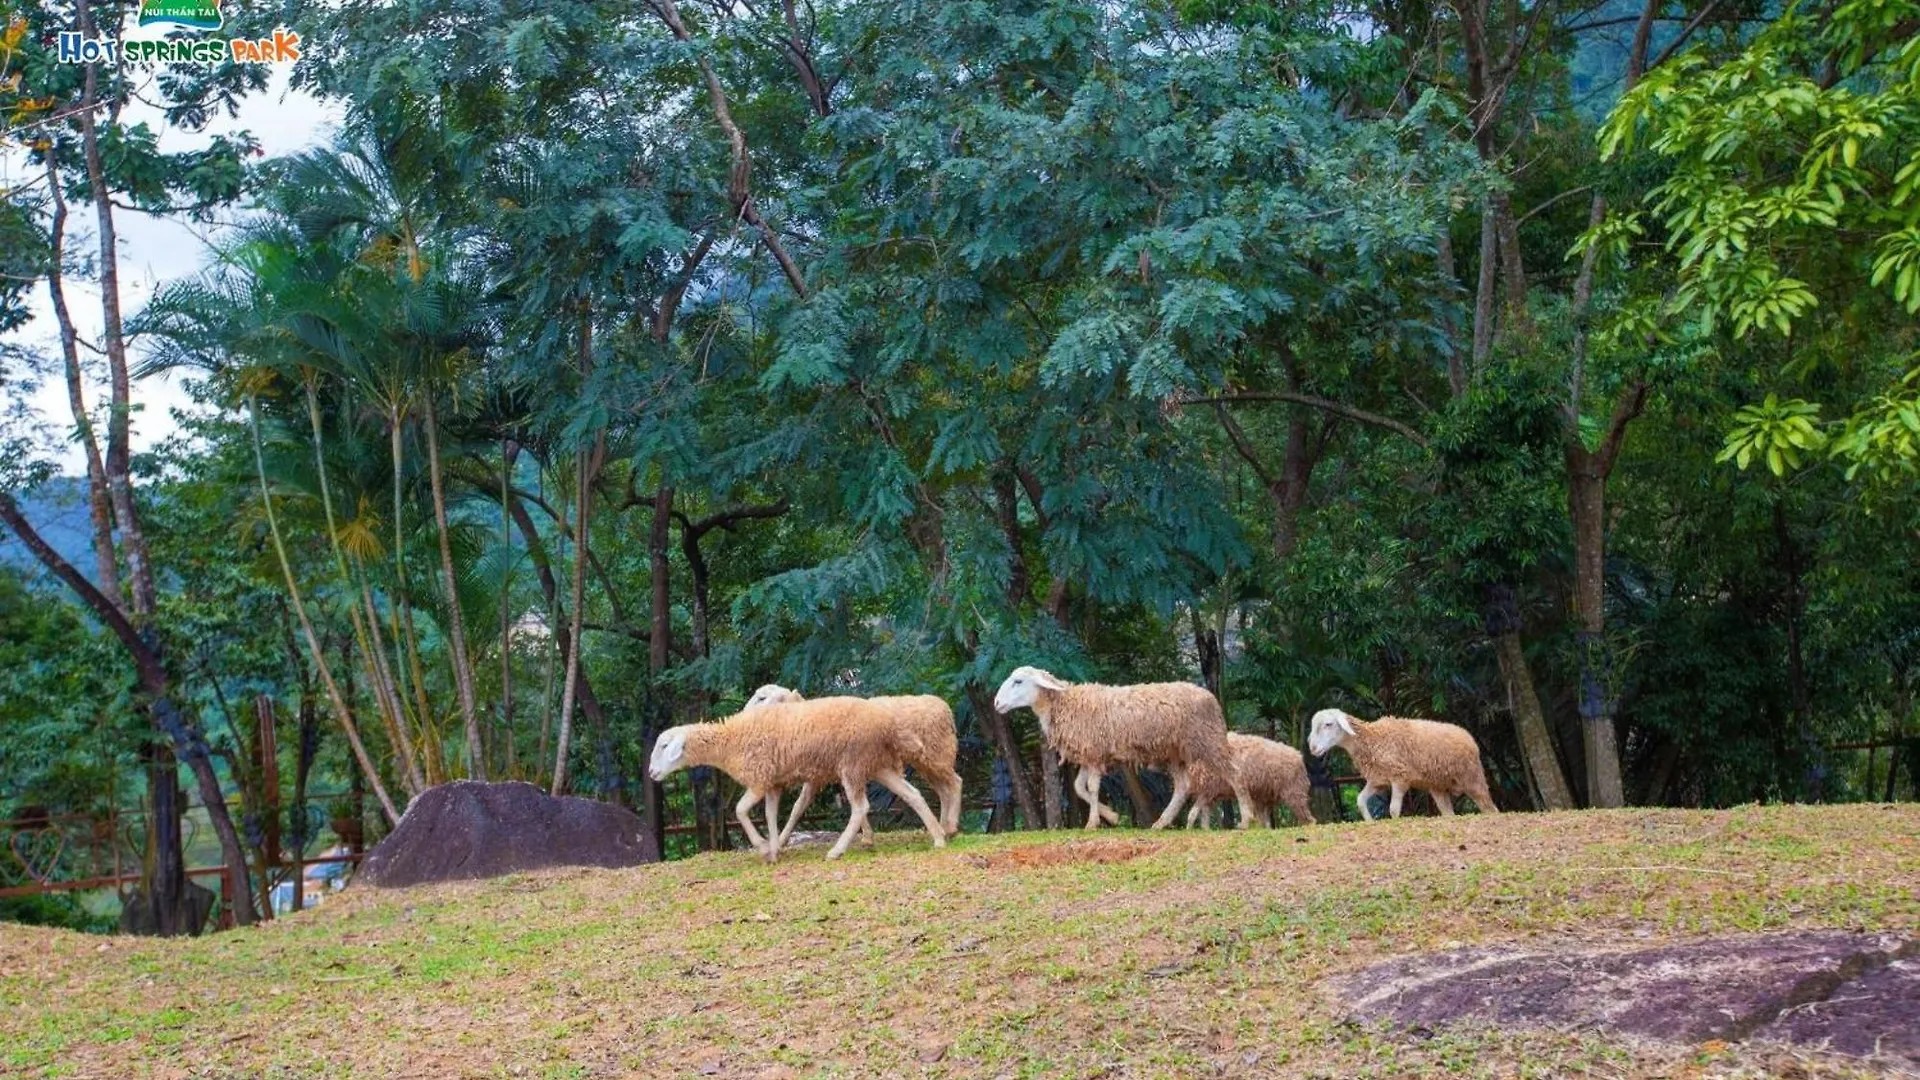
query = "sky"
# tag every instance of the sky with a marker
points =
(153, 251)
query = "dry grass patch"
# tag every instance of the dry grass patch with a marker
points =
(1119, 955)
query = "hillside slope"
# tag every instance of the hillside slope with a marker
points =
(1122, 955)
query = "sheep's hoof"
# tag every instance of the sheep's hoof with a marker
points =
(939, 841)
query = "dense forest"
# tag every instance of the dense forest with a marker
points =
(1543, 366)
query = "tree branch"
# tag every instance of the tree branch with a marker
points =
(670, 303)
(728, 518)
(1630, 405)
(739, 192)
(153, 676)
(1323, 404)
(1685, 33)
(1241, 444)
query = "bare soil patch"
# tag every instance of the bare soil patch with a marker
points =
(1039, 856)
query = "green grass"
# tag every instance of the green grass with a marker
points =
(1194, 954)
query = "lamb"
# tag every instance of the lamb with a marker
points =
(1440, 758)
(775, 746)
(930, 745)
(1275, 775)
(1175, 725)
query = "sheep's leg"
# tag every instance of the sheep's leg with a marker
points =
(1264, 812)
(800, 804)
(1089, 781)
(1090, 794)
(1302, 814)
(1444, 801)
(910, 795)
(948, 787)
(773, 824)
(749, 799)
(1399, 794)
(1367, 791)
(857, 803)
(1179, 800)
(1483, 799)
(1248, 811)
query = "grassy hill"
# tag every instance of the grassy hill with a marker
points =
(1125, 954)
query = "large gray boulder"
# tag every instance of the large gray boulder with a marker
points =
(466, 829)
(1836, 991)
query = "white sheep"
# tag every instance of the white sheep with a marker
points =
(1275, 775)
(1173, 725)
(1441, 759)
(928, 740)
(776, 746)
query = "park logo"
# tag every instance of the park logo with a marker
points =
(191, 16)
(283, 47)
(186, 14)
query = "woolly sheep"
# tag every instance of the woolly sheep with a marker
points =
(1275, 775)
(1175, 725)
(1441, 759)
(775, 746)
(929, 743)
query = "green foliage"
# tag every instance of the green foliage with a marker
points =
(1078, 292)
(1789, 188)
(1777, 432)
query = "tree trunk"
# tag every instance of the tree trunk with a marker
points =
(1001, 732)
(1529, 719)
(1050, 789)
(571, 683)
(1586, 491)
(563, 638)
(1206, 644)
(457, 623)
(366, 634)
(1145, 810)
(320, 661)
(266, 744)
(165, 868)
(117, 466)
(118, 461)
(99, 501)
(659, 639)
(308, 749)
(386, 689)
(142, 645)
(1798, 695)
(1483, 294)
(509, 450)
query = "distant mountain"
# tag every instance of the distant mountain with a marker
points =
(58, 509)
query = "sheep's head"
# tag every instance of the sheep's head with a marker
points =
(669, 753)
(1024, 687)
(772, 694)
(1331, 727)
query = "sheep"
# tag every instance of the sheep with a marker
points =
(1177, 725)
(1275, 775)
(930, 746)
(775, 746)
(1441, 759)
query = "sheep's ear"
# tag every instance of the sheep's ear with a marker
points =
(1045, 681)
(1346, 723)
